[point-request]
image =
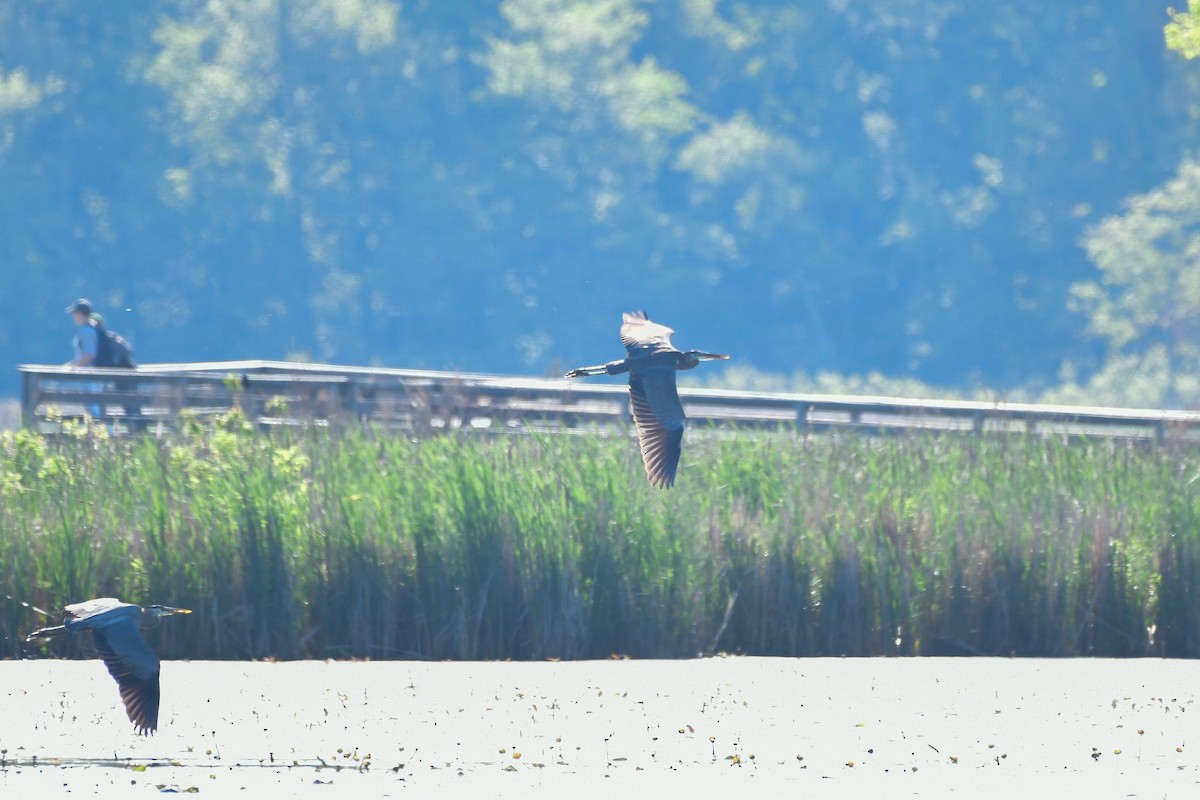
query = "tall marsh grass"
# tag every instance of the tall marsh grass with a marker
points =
(337, 543)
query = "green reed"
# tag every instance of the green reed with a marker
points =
(350, 542)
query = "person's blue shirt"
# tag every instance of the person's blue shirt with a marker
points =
(87, 341)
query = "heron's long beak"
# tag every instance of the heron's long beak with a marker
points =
(711, 356)
(168, 611)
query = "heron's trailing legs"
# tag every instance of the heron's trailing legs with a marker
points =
(611, 368)
(43, 633)
(580, 372)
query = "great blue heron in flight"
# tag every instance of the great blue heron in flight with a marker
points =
(114, 626)
(651, 363)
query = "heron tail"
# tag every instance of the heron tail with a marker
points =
(43, 633)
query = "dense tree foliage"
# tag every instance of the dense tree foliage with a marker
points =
(1183, 31)
(843, 186)
(1147, 304)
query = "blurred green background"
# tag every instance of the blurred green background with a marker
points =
(922, 196)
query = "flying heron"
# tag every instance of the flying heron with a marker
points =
(651, 363)
(114, 626)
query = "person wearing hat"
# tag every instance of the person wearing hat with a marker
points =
(87, 337)
(87, 346)
(90, 339)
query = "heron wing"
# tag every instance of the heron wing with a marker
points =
(89, 609)
(135, 668)
(642, 337)
(660, 421)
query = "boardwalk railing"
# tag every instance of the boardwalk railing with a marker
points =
(276, 392)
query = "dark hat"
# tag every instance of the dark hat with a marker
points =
(82, 304)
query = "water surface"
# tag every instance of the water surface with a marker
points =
(811, 727)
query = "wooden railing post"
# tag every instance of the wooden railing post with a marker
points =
(29, 398)
(348, 397)
(802, 415)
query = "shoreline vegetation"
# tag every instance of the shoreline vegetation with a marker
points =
(356, 543)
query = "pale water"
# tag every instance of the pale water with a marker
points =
(755, 727)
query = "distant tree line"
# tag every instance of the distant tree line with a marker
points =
(966, 195)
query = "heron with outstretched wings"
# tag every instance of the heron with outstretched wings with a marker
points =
(131, 662)
(652, 361)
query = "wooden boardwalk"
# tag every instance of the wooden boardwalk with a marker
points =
(276, 392)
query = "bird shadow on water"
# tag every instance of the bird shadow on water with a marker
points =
(144, 764)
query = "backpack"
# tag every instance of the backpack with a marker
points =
(112, 349)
